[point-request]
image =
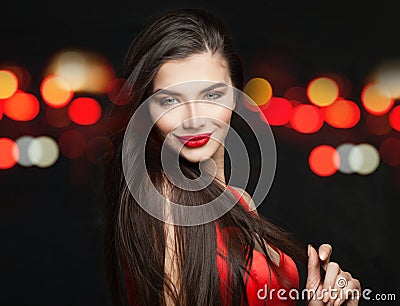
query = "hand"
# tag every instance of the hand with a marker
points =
(337, 287)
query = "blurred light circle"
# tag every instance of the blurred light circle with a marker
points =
(22, 74)
(376, 99)
(342, 114)
(306, 118)
(43, 151)
(55, 91)
(57, 117)
(364, 158)
(324, 160)
(344, 151)
(21, 106)
(9, 153)
(71, 66)
(322, 91)
(23, 143)
(297, 93)
(378, 125)
(72, 144)
(84, 111)
(98, 78)
(259, 90)
(390, 151)
(394, 118)
(8, 84)
(276, 112)
(100, 150)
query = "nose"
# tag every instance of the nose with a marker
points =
(194, 119)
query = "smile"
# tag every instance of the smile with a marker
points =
(194, 141)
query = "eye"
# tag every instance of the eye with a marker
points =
(213, 95)
(168, 101)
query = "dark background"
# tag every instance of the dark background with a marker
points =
(50, 218)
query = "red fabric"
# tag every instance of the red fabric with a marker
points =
(259, 274)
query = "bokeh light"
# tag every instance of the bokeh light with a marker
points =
(376, 99)
(378, 125)
(388, 76)
(84, 111)
(55, 91)
(23, 143)
(22, 74)
(71, 66)
(276, 112)
(72, 144)
(21, 106)
(8, 84)
(57, 117)
(259, 90)
(9, 153)
(364, 159)
(306, 118)
(100, 150)
(322, 91)
(390, 151)
(344, 151)
(394, 118)
(342, 114)
(43, 151)
(324, 160)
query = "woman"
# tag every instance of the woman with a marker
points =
(236, 258)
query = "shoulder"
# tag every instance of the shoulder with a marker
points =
(247, 198)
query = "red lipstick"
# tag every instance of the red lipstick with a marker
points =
(194, 141)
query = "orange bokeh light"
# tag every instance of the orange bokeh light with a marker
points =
(342, 114)
(21, 106)
(306, 118)
(394, 118)
(324, 160)
(376, 99)
(259, 90)
(56, 91)
(9, 153)
(84, 111)
(8, 84)
(277, 112)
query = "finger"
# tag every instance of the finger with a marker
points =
(351, 293)
(314, 274)
(324, 252)
(332, 272)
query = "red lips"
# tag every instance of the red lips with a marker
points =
(195, 140)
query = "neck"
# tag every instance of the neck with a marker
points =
(218, 159)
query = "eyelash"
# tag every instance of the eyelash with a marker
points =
(219, 95)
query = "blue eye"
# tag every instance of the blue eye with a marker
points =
(168, 101)
(213, 95)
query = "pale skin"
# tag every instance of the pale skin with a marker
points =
(197, 118)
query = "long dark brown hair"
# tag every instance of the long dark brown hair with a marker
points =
(134, 241)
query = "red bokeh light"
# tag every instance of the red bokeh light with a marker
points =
(324, 160)
(21, 106)
(306, 118)
(84, 111)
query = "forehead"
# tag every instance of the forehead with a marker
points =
(204, 66)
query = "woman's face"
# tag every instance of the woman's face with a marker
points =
(198, 100)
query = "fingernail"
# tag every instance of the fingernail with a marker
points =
(322, 256)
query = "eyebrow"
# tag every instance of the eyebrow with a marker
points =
(169, 92)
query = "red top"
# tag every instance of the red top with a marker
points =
(259, 279)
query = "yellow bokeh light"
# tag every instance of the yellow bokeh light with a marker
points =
(322, 91)
(8, 84)
(259, 90)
